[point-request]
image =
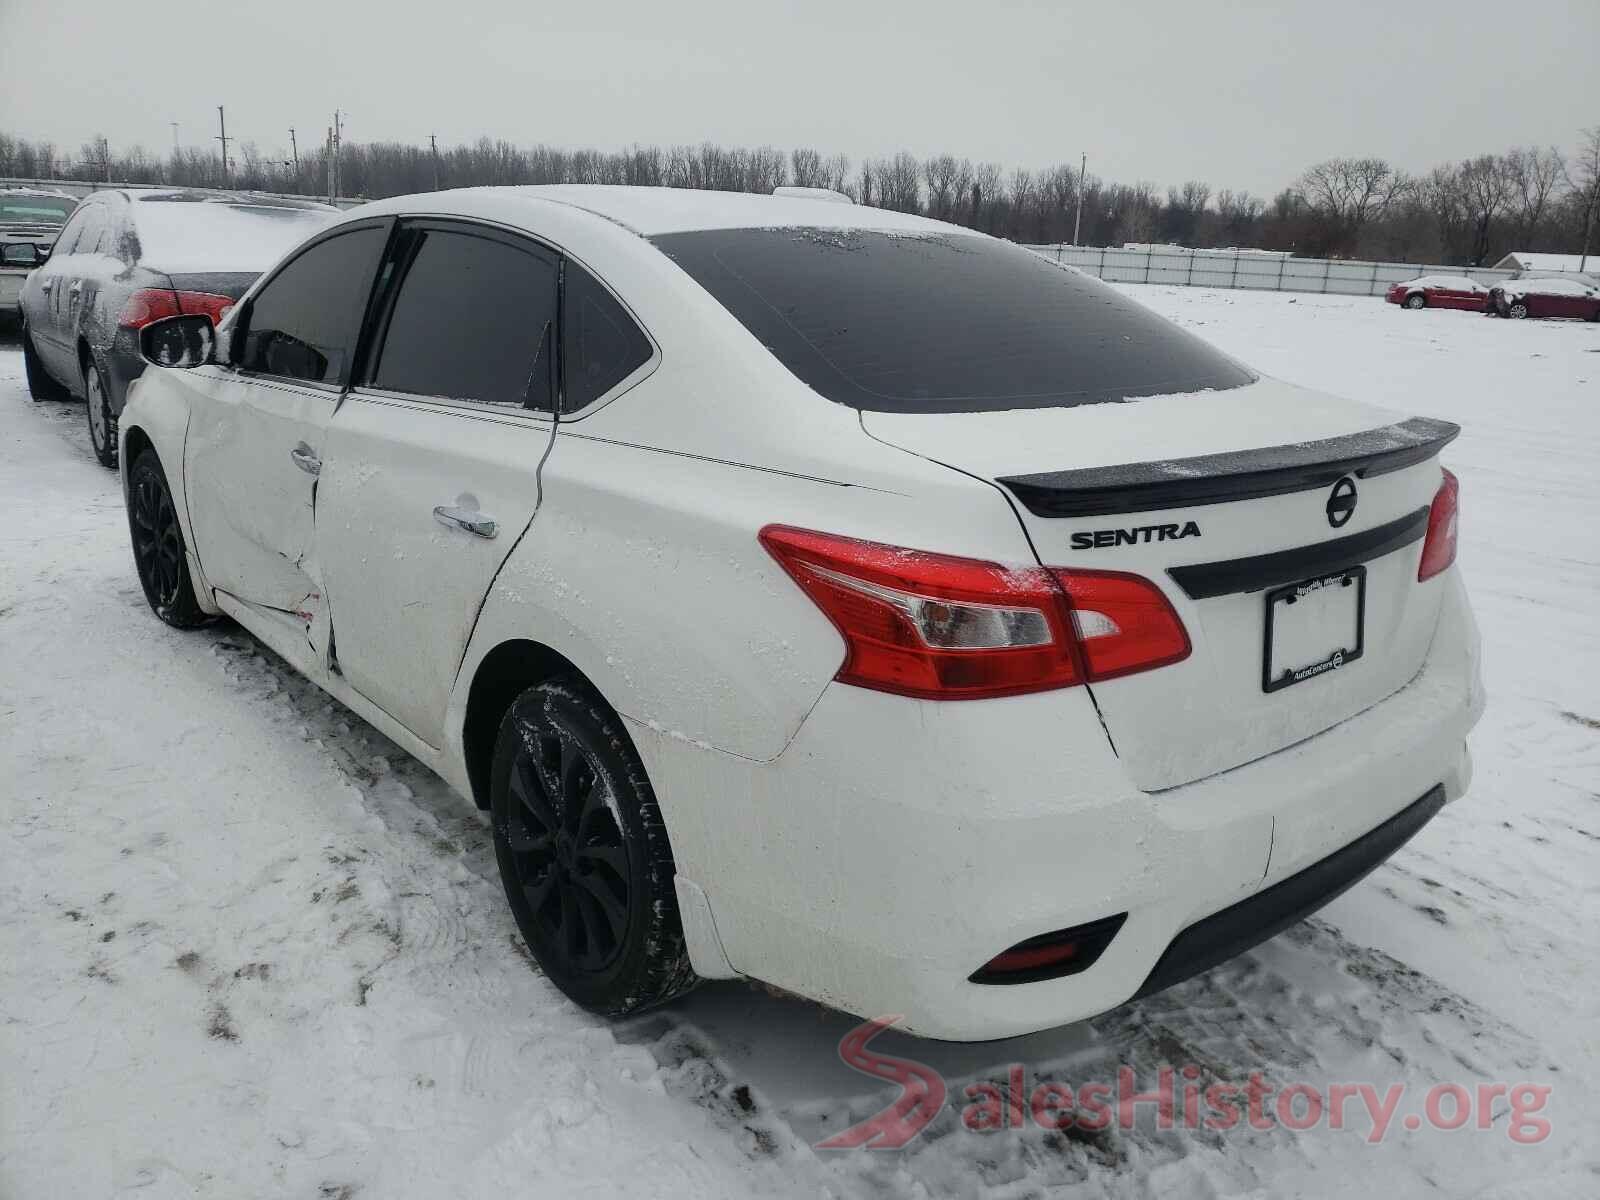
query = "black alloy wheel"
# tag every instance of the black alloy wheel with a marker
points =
(158, 554)
(583, 852)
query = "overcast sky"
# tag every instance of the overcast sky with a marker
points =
(1242, 94)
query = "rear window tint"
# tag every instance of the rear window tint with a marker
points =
(892, 322)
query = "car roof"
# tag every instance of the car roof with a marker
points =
(652, 211)
(210, 196)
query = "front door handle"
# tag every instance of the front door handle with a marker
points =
(77, 286)
(466, 518)
(46, 285)
(304, 457)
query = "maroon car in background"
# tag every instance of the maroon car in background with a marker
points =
(1439, 291)
(1520, 298)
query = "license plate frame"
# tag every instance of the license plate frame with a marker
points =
(1338, 657)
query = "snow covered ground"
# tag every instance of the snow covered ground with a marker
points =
(249, 948)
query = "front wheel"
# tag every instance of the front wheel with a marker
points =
(583, 852)
(1416, 300)
(102, 421)
(1519, 311)
(158, 546)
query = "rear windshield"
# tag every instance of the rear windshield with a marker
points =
(178, 235)
(23, 209)
(890, 322)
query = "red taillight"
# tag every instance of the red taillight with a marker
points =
(940, 627)
(155, 304)
(1439, 551)
(1124, 623)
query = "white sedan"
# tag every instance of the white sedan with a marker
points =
(821, 595)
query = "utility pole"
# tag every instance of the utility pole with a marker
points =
(295, 149)
(1077, 222)
(328, 157)
(338, 140)
(433, 141)
(174, 125)
(222, 126)
(1588, 223)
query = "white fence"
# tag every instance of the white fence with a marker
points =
(1255, 269)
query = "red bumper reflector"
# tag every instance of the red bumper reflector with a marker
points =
(1051, 955)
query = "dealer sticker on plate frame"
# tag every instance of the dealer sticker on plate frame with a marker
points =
(1313, 627)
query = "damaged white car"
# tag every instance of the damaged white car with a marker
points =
(819, 594)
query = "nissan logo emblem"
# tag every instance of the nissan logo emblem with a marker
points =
(1341, 504)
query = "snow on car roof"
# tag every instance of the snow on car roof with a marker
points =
(1442, 281)
(188, 232)
(1547, 287)
(650, 211)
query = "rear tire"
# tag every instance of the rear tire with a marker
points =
(583, 852)
(1518, 312)
(41, 385)
(158, 549)
(1416, 300)
(102, 421)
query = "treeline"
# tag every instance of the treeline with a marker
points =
(1470, 213)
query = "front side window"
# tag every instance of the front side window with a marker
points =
(304, 323)
(942, 323)
(601, 345)
(474, 319)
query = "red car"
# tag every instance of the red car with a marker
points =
(1545, 298)
(1439, 291)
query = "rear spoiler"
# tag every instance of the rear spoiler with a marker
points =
(1236, 475)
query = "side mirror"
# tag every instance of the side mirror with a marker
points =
(21, 254)
(180, 342)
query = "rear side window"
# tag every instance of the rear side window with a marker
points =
(92, 231)
(601, 345)
(305, 321)
(68, 238)
(936, 323)
(474, 319)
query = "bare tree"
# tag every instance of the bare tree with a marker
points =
(1583, 176)
(806, 165)
(1535, 175)
(899, 187)
(1487, 188)
(1346, 194)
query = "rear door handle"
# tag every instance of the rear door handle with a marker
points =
(77, 286)
(466, 518)
(304, 457)
(46, 285)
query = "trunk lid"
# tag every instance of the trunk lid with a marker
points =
(1227, 500)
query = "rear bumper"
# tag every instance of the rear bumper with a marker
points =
(896, 846)
(123, 364)
(1269, 912)
(11, 294)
